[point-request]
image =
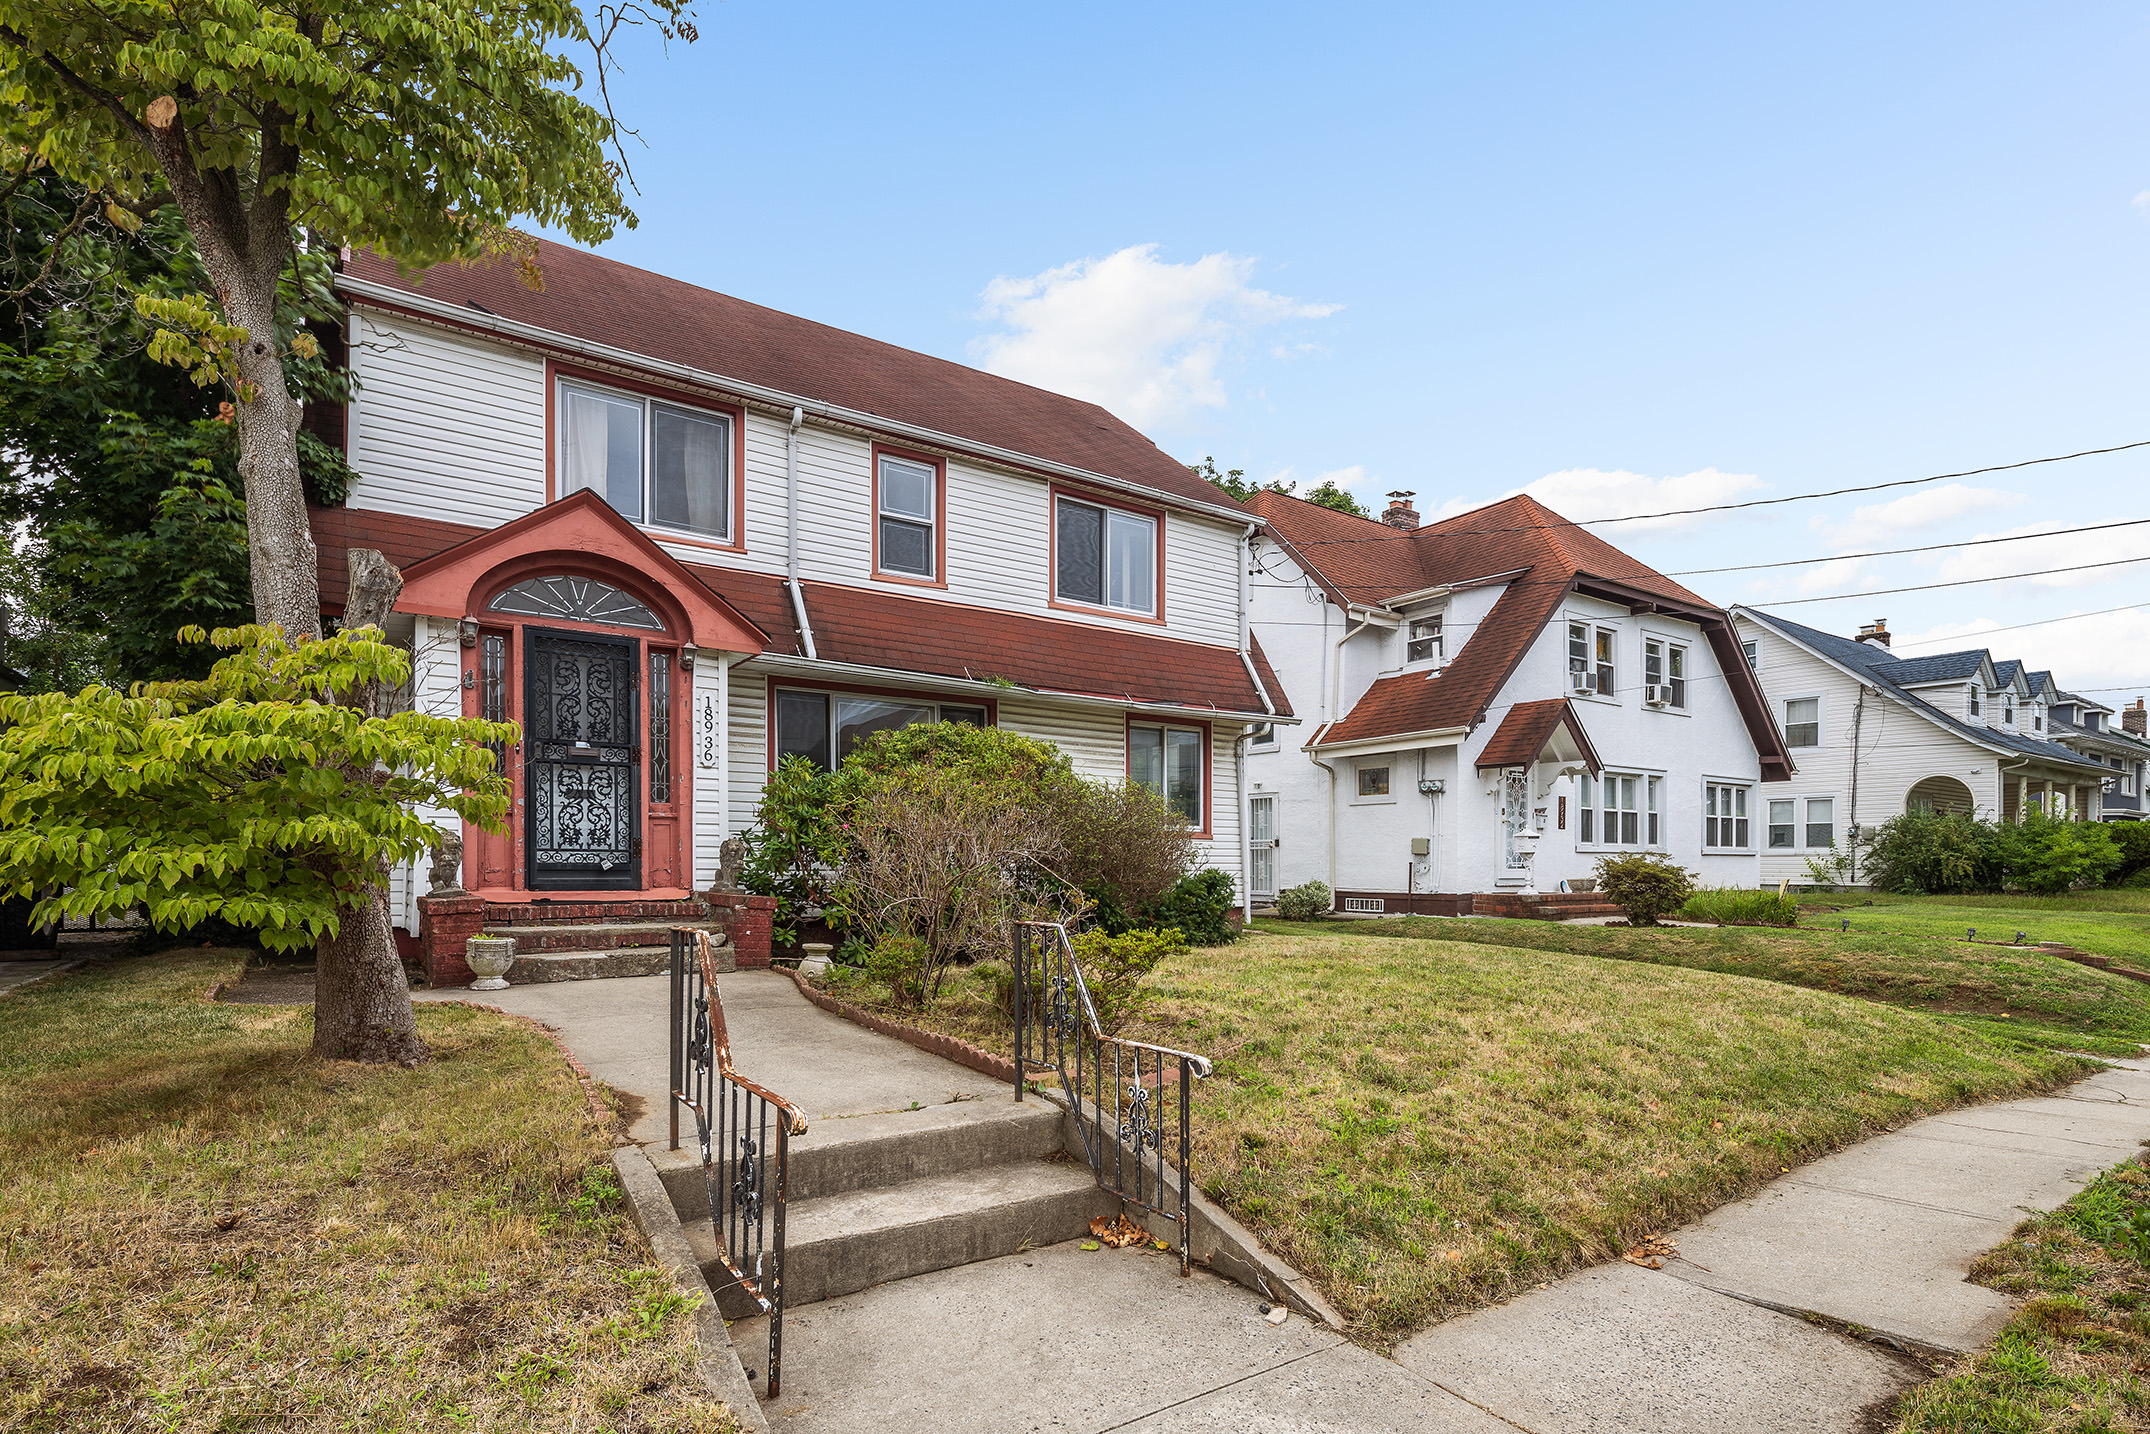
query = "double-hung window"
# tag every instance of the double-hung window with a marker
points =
(1724, 817)
(1821, 821)
(659, 464)
(1803, 722)
(1425, 640)
(907, 502)
(826, 727)
(1664, 667)
(1752, 651)
(1618, 810)
(1605, 662)
(1104, 557)
(1975, 708)
(1784, 829)
(1168, 761)
(1590, 658)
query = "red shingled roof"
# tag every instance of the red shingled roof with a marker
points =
(1546, 556)
(871, 628)
(1526, 729)
(606, 302)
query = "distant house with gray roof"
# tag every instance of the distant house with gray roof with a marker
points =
(1874, 735)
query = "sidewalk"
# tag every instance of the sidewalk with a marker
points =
(1880, 1236)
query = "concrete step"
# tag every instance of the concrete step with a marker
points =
(534, 939)
(534, 970)
(839, 1244)
(865, 1152)
(563, 913)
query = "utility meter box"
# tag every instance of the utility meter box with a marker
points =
(1422, 846)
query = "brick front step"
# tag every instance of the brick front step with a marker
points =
(532, 939)
(564, 913)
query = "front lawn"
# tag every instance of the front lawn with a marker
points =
(1429, 1126)
(2072, 1358)
(1902, 954)
(205, 1229)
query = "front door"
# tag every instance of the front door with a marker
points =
(583, 759)
(1262, 843)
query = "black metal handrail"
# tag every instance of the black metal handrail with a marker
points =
(1056, 1028)
(746, 1179)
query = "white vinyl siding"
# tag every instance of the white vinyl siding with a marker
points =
(445, 427)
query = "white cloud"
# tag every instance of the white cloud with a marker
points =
(1584, 494)
(2036, 554)
(1134, 333)
(2105, 650)
(1914, 512)
(2141, 204)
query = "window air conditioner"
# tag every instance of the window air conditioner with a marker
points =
(1584, 683)
(1656, 694)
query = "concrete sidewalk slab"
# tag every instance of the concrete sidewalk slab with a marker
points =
(1620, 1348)
(1080, 1341)
(23, 972)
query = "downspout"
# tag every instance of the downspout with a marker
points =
(2000, 773)
(1330, 717)
(791, 496)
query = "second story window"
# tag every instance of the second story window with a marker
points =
(1752, 651)
(907, 496)
(1425, 640)
(1590, 659)
(1664, 672)
(656, 463)
(1104, 557)
(1803, 722)
(1976, 709)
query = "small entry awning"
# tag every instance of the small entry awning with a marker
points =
(1540, 731)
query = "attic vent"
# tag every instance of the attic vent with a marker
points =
(1365, 903)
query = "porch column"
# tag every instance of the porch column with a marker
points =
(2023, 797)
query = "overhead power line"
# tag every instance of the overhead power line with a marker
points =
(2018, 627)
(1732, 507)
(1899, 552)
(1962, 583)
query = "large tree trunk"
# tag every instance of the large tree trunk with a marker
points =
(362, 1000)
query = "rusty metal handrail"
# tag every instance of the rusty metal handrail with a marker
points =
(732, 1128)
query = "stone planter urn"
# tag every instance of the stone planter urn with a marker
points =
(814, 957)
(489, 957)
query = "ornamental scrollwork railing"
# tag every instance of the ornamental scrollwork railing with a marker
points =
(744, 1134)
(1130, 1099)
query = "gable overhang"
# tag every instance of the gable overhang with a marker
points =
(1388, 742)
(1539, 732)
(579, 535)
(784, 664)
(533, 337)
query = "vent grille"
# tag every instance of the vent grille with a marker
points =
(1365, 903)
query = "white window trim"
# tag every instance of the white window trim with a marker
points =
(562, 384)
(1642, 677)
(1385, 799)
(1594, 626)
(1799, 802)
(1753, 789)
(882, 512)
(1643, 775)
(1105, 604)
(1821, 719)
(1439, 659)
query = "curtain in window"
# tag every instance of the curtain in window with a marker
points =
(604, 450)
(690, 472)
(1079, 553)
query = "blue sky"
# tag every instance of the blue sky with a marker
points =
(1629, 257)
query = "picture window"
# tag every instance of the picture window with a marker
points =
(1168, 760)
(657, 463)
(816, 725)
(1104, 557)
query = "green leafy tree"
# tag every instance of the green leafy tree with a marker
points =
(419, 128)
(1234, 481)
(258, 795)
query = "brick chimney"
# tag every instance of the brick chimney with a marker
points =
(2134, 721)
(1876, 632)
(1400, 513)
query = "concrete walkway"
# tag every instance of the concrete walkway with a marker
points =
(1879, 1237)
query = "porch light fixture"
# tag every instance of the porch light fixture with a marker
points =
(467, 632)
(686, 657)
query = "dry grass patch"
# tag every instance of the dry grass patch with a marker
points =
(1425, 1127)
(203, 1228)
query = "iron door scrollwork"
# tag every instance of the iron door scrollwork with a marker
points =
(581, 762)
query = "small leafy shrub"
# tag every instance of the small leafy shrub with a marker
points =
(1828, 870)
(1644, 885)
(1936, 854)
(1309, 901)
(2049, 855)
(1122, 846)
(1200, 907)
(2132, 841)
(901, 964)
(1741, 906)
(792, 844)
(1113, 968)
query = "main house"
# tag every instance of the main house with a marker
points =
(1876, 735)
(679, 537)
(1499, 700)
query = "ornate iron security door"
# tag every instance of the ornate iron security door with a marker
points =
(582, 762)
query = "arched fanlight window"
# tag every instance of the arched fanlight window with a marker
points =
(571, 599)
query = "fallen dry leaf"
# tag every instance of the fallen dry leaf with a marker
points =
(1118, 1233)
(1652, 1253)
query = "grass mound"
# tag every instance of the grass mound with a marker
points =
(206, 1229)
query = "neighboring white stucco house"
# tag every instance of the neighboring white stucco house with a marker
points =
(1494, 702)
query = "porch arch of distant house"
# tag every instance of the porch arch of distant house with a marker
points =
(1942, 796)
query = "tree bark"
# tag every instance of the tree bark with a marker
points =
(362, 1000)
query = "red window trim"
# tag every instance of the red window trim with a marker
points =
(598, 378)
(940, 517)
(1054, 493)
(1209, 766)
(853, 689)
